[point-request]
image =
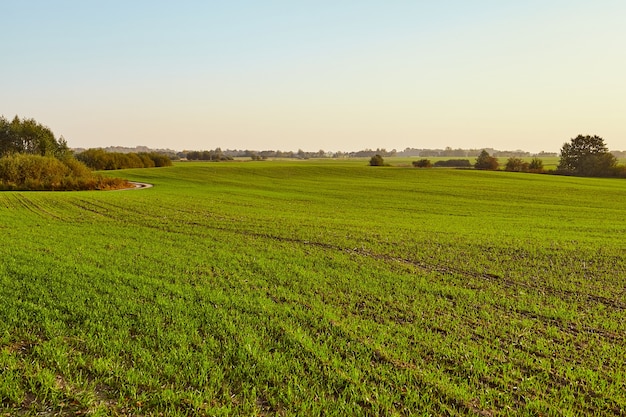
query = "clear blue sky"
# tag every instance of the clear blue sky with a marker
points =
(332, 75)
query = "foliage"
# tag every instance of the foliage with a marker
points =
(36, 172)
(535, 165)
(212, 155)
(99, 159)
(370, 152)
(516, 165)
(422, 163)
(377, 161)
(28, 136)
(486, 161)
(180, 300)
(587, 156)
(454, 163)
(31, 158)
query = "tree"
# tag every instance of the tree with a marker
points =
(587, 156)
(28, 136)
(377, 161)
(536, 165)
(98, 159)
(516, 165)
(486, 161)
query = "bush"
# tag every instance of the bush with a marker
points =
(516, 165)
(77, 168)
(99, 160)
(36, 172)
(536, 165)
(454, 163)
(422, 163)
(377, 161)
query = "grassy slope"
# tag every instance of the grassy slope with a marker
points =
(297, 287)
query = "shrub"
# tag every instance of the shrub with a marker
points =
(454, 163)
(516, 165)
(377, 161)
(422, 163)
(98, 159)
(536, 165)
(146, 160)
(77, 168)
(36, 172)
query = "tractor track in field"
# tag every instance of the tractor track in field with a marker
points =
(425, 266)
(428, 267)
(446, 269)
(490, 277)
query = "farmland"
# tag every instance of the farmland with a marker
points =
(316, 287)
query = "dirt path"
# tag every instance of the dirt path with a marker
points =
(136, 186)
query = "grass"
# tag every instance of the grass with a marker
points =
(315, 287)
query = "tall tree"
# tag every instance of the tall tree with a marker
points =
(486, 161)
(28, 136)
(587, 156)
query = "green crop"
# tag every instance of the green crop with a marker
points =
(315, 288)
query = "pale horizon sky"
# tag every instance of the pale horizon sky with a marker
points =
(333, 75)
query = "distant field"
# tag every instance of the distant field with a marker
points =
(316, 288)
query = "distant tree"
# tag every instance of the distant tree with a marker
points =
(486, 161)
(370, 153)
(158, 159)
(377, 161)
(516, 165)
(547, 154)
(619, 154)
(536, 165)
(453, 152)
(422, 163)
(213, 155)
(454, 163)
(146, 161)
(587, 156)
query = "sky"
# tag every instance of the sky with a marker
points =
(336, 75)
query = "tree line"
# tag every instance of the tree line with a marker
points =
(582, 156)
(99, 160)
(32, 158)
(23, 171)
(213, 155)
(218, 154)
(29, 137)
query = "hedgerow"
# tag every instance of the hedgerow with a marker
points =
(47, 173)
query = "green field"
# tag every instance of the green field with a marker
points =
(316, 288)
